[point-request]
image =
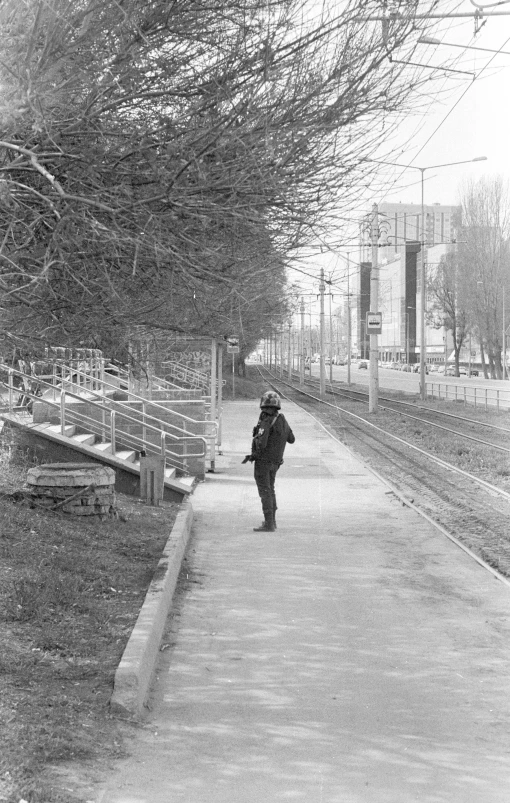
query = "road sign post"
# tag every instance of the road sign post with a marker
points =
(233, 348)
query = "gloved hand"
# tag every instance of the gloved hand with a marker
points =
(248, 459)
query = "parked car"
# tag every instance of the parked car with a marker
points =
(406, 367)
(450, 371)
(394, 365)
(362, 364)
(474, 372)
(463, 371)
(417, 367)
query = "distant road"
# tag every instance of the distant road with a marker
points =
(402, 380)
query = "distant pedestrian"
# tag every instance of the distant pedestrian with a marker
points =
(270, 436)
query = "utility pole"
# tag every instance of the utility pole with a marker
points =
(214, 390)
(423, 290)
(289, 356)
(310, 340)
(348, 322)
(281, 352)
(330, 337)
(503, 361)
(302, 344)
(321, 330)
(373, 390)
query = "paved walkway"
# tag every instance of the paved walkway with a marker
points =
(354, 656)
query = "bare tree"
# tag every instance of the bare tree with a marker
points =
(449, 301)
(484, 260)
(142, 141)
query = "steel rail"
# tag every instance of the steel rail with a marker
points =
(408, 502)
(342, 392)
(485, 424)
(448, 466)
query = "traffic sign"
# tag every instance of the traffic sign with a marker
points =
(232, 349)
(374, 323)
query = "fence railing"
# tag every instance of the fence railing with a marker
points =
(106, 426)
(191, 376)
(74, 380)
(477, 395)
(126, 379)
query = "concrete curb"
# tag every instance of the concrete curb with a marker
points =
(138, 662)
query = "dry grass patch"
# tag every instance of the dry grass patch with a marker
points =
(70, 592)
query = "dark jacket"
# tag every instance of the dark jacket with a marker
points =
(270, 436)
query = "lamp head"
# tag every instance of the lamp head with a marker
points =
(428, 40)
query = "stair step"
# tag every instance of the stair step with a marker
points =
(85, 439)
(170, 472)
(126, 454)
(105, 448)
(186, 480)
(69, 429)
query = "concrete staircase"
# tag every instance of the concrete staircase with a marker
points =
(95, 411)
(89, 445)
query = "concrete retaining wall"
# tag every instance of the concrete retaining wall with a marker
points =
(136, 669)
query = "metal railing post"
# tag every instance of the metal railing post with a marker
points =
(112, 430)
(163, 447)
(220, 396)
(214, 363)
(63, 413)
(11, 389)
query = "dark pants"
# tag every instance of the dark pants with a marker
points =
(265, 475)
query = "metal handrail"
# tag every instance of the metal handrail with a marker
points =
(95, 426)
(105, 384)
(131, 441)
(183, 371)
(155, 380)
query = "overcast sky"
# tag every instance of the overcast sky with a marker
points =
(474, 120)
(471, 120)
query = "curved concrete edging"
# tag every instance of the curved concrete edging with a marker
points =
(134, 673)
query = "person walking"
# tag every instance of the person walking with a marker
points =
(270, 436)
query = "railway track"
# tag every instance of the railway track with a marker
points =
(473, 512)
(433, 417)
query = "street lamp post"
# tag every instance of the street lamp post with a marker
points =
(407, 337)
(503, 345)
(423, 285)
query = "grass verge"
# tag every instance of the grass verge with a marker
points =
(70, 592)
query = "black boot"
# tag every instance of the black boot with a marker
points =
(267, 526)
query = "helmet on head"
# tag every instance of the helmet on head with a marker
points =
(270, 399)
